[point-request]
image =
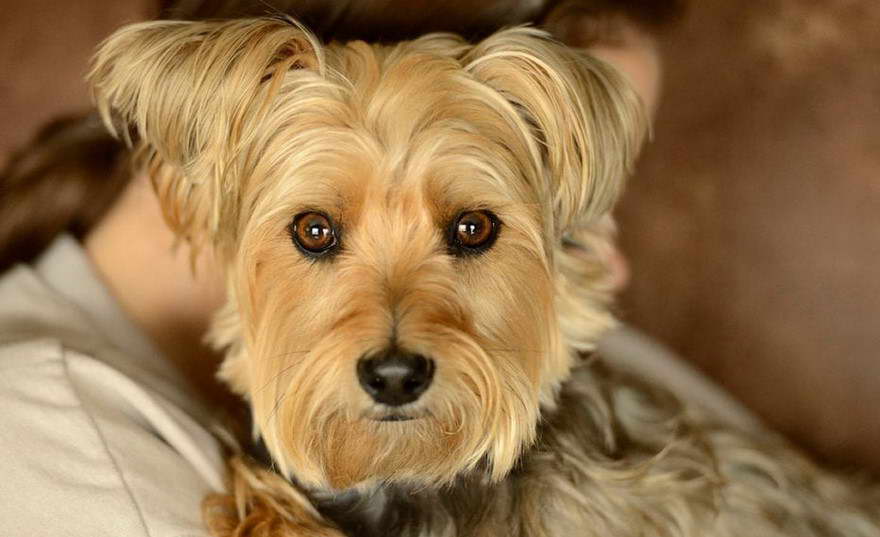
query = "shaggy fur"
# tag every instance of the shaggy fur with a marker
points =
(245, 124)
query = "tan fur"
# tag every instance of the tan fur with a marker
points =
(248, 123)
(262, 504)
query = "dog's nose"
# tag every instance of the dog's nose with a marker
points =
(395, 378)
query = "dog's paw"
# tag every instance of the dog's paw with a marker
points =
(262, 504)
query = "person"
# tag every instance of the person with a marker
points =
(112, 419)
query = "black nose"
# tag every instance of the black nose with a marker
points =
(395, 378)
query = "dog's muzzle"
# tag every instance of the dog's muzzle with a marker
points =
(395, 377)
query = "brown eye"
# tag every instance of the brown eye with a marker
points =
(473, 232)
(313, 233)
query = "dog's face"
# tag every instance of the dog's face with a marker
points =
(392, 219)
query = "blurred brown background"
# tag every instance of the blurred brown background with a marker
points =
(752, 226)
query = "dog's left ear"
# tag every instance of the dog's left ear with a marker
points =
(193, 92)
(587, 124)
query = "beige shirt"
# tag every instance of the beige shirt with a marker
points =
(98, 435)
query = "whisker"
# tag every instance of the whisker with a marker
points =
(276, 376)
(283, 354)
(518, 350)
(275, 408)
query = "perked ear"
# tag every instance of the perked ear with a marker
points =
(587, 123)
(192, 91)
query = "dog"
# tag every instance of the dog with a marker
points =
(409, 234)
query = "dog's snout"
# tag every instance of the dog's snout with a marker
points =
(395, 378)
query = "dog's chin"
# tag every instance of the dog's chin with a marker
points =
(407, 413)
(415, 449)
(327, 442)
(394, 418)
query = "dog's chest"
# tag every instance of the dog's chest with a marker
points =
(406, 512)
(371, 514)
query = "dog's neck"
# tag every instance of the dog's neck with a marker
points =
(400, 509)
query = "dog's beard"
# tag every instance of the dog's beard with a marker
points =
(480, 412)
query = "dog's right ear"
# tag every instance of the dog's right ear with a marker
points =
(192, 93)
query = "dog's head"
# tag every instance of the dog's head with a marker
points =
(393, 220)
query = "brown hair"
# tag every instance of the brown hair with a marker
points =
(64, 181)
(73, 170)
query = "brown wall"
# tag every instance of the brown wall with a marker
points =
(753, 225)
(44, 51)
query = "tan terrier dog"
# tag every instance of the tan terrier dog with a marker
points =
(409, 237)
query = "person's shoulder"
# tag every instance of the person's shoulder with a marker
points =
(29, 353)
(81, 458)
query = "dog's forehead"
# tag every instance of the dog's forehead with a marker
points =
(347, 180)
(415, 132)
(443, 169)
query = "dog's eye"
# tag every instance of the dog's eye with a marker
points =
(473, 232)
(313, 233)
